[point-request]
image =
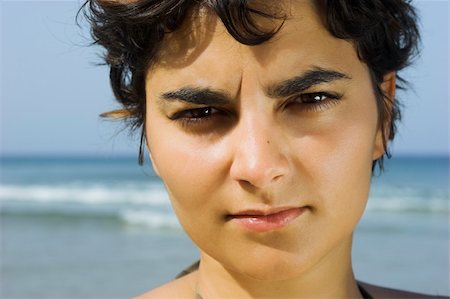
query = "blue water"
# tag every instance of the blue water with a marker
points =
(91, 227)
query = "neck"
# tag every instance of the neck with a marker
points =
(331, 277)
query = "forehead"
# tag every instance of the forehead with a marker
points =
(202, 50)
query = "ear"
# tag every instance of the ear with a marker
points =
(388, 89)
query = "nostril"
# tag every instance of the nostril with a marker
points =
(276, 178)
(258, 182)
(248, 186)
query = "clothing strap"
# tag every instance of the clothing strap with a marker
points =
(364, 293)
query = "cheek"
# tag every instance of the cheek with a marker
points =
(340, 159)
(189, 168)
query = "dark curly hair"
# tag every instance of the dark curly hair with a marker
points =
(384, 32)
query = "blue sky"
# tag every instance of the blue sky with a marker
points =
(51, 91)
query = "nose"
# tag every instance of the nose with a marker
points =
(259, 157)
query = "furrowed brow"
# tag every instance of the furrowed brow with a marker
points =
(197, 96)
(305, 81)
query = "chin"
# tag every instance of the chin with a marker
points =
(274, 266)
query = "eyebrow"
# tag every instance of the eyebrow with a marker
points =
(211, 97)
(197, 96)
(305, 81)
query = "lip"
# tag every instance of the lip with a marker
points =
(266, 220)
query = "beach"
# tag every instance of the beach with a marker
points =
(102, 227)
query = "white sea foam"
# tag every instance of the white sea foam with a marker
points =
(153, 195)
(150, 219)
(149, 205)
(409, 199)
(408, 204)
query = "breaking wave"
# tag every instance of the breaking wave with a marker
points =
(149, 205)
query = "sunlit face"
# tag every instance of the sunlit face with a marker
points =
(289, 125)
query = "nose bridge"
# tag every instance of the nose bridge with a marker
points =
(258, 156)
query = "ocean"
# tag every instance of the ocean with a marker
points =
(97, 227)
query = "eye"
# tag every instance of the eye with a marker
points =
(315, 101)
(315, 98)
(197, 116)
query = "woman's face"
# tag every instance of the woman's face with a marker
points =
(266, 151)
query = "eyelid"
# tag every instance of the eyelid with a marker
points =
(182, 112)
(218, 118)
(331, 99)
(328, 94)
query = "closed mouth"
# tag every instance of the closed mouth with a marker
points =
(266, 220)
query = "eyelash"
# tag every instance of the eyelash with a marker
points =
(312, 104)
(207, 114)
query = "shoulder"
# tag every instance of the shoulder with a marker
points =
(180, 288)
(378, 292)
